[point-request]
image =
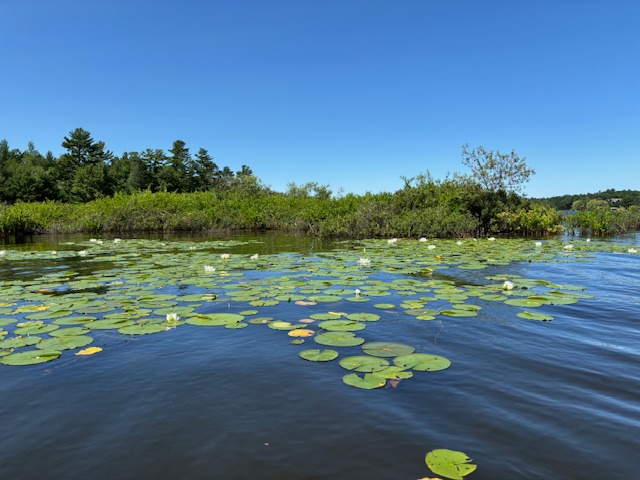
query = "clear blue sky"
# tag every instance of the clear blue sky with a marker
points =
(349, 93)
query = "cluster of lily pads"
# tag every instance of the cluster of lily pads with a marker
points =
(57, 301)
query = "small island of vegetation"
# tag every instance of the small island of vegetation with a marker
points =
(89, 189)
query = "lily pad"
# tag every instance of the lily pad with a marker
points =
(364, 317)
(17, 342)
(65, 342)
(535, 316)
(315, 355)
(422, 362)
(364, 363)
(386, 349)
(214, 319)
(30, 357)
(342, 325)
(339, 339)
(369, 382)
(449, 463)
(142, 329)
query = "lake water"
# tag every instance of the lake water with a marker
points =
(524, 399)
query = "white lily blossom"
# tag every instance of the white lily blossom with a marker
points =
(173, 317)
(83, 253)
(507, 285)
(423, 239)
(431, 247)
(459, 242)
(224, 256)
(53, 252)
(492, 239)
(632, 250)
(588, 239)
(568, 247)
(392, 240)
(254, 256)
(538, 244)
(93, 240)
(209, 269)
(358, 292)
(3, 252)
(117, 240)
(364, 262)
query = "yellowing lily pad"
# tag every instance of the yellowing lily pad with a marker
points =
(89, 351)
(301, 332)
(449, 463)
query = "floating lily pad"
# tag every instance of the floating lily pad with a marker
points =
(459, 313)
(422, 362)
(384, 306)
(142, 329)
(339, 339)
(449, 463)
(395, 372)
(301, 332)
(68, 332)
(342, 325)
(315, 355)
(524, 302)
(364, 363)
(17, 342)
(369, 382)
(214, 319)
(364, 317)
(282, 325)
(30, 357)
(260, 320)
(535, 316)
(65, 342)
(386, 349)
(111, 324)
(36, 329)
(75, 320)
(89, 351)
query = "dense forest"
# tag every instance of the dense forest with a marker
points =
(580, 202)
(88, 171)
(89, 189)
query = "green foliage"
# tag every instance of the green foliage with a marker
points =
(496, 171)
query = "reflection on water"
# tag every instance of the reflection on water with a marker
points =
(526, 400)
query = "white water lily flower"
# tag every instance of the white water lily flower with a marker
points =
(632, 250)
(224, 256)
(588, 239)
(538, 244)
(492, 239)
(83, 253)
(53, 252)
(507, 285)
(93, 240)
(173, 317)
(3, 252)
(423, 239)
(117, 240)
(209, 269)
(459, 242)
(192, 247)
(431, 247)
(364, 262)
(392, 240)
(254, 257)
(358, 292)
(568, 247)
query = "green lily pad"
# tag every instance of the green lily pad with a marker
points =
(535, 316)
(364, 317)
(36, 329)
(395, 372)
(30, 357)
(339, 339)
(524, 302)
(341, 325)
(459, 313)
(142, 329)
(449, 463)
(364, 363)
(17, 342)
(214, 319)
(315, 355)
(75, 320)
(386, 349)
(422, 362)
(62, 332)
(384, 306)
(369, 382)
(65, 342)
(111, 324)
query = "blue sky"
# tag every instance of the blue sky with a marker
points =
(349, 93)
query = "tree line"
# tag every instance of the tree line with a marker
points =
(87, 171)
(591, 201)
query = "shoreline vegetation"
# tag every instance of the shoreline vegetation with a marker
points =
(89, 190)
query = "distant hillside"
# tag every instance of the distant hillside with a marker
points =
(615, 198)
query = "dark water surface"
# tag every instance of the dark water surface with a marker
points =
(524, 399)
